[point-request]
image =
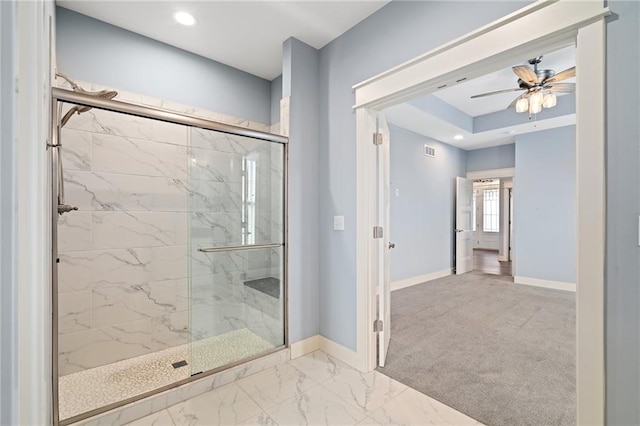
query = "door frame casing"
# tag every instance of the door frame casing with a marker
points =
(550, 25)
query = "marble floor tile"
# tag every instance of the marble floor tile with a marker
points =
(275, 385)
(319, 366)
(316, 406)
(368, 391)
(161, 418)
(368, 422)
(414, 408)
(224, 406)
(261, 419)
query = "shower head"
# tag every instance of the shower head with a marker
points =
(78, 109)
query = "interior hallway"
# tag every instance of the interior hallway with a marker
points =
(486, 261)
(315, 389)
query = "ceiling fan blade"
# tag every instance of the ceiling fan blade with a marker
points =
(515, 101)
(560, 87)
(526, 74)
(496, 92)
(563, 75)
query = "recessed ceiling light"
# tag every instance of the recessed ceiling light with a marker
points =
(458, 137)
(184, 18)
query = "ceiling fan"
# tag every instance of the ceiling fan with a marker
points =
(540, 87)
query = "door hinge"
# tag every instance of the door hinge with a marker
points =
(378, 326)
(377, 138)
(378, 232)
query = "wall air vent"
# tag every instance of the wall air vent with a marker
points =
(429, 151)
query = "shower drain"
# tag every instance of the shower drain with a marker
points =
(179, 364)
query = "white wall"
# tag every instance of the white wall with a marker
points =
(545, 205)
(423, 215)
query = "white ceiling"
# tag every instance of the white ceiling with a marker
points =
(247, 35)
(418, 121)
(460, 95)
(422, 122)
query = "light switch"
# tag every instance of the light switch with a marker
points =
(338, 223)
(397, 192)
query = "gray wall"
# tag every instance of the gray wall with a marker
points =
(276, 95)
(544, 198)
(425, 210)
(300, 79)
(623, 206)
(496, 157)
(97, 52)
(396, 33)
(8, 261)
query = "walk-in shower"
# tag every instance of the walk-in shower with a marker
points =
(169, 260)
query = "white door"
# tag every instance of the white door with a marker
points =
(383, 245)
(464, 232)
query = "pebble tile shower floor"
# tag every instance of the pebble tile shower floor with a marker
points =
(97, 387)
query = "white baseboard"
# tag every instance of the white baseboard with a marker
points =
(327, 346)
(339, 352)
(408, 282)
(305, 346)
(556, 285)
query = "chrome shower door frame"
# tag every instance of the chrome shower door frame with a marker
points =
(63, 95)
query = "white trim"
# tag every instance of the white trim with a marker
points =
(33, 231)
(327, 346)
(456, 42)
(365, 250)
(535, 282)
(550, 25)
(339, 352)
(408, 282)
(305, 346)
(591, 205)
(493, 173)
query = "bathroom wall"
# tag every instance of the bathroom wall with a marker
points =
(149, 195)
(91, 50)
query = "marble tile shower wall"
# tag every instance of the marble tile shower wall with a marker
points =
(149, 194)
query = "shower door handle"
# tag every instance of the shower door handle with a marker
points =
(236, 248)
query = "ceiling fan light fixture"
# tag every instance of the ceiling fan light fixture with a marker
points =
(550, 100)
(535, 103)
(535, 108)
(522, 105)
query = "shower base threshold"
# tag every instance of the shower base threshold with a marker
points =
(100, 386)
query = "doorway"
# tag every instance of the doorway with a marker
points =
(492, 223)
(457, 62)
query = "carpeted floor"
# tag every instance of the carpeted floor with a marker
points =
(501, 353)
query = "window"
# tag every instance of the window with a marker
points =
(491, 210)
(249, 202)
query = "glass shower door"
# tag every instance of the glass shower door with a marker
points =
(236, 252)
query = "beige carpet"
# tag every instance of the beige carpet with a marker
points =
(501, 353)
